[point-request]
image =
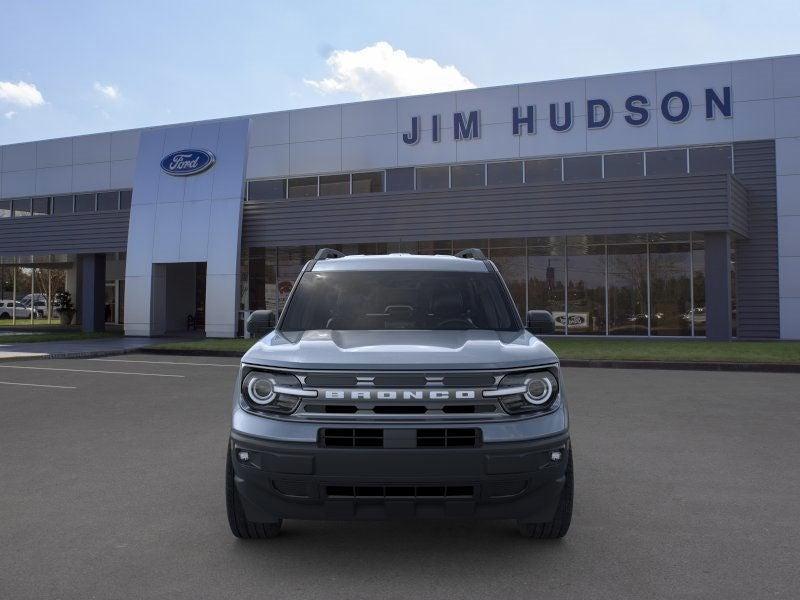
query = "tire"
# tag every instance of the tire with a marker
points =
(240, 526)
(558, 527)
(5, 315)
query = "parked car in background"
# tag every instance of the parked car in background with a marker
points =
(14, 308)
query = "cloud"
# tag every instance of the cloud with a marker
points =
(20, 93)
(10, 114)
(109, 91)
(380, 71)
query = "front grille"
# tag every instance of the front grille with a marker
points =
(398, 409)
(352, 438)
(434, 492)
(399, 438)
(447, 438)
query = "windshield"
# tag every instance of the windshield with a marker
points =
(399, 300)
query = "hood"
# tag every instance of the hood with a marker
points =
(401, 350)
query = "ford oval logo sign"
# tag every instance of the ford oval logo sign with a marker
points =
(187, 162)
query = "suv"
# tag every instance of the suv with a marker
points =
(399, 386)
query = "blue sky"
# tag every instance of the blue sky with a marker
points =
(69, 68)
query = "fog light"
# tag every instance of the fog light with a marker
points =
(555, 455)
(243, 456)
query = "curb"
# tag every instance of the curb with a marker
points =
(591, 364)
(572, 363)
(683, 366)
(61, 355)
(217, 353)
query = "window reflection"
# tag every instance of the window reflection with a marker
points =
(509, 258)
(699, 285)
(586, 282)
(627, 289)
(571, 277)
(546, 273)
(670, 298)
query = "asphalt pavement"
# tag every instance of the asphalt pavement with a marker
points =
(112, 486)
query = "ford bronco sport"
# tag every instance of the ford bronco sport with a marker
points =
(399, 386)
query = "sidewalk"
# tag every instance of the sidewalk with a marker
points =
(76, 348)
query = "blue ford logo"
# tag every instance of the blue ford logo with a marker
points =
(187, 162)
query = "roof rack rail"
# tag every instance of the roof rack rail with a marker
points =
(324, 253)
(471, 253)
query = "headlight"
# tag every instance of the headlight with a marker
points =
(528, 391)
(272, 392)
(260, 388)
(539, 388)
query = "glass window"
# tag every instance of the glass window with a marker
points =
(714, 159)
(84, 203)
(468, 175)
(504, 173)
(41, 206)
(5, 209)
(546, 276)
(125, 199)
(578, 168)
(303, 187)
(699, 284)
(62, 205)
(670, 297)
(509, 258)
(627, 289)
(290, 261)
(271, 189)
(368, 183)
(108, 201)
(400, 180)
(586, 289)
(630, 164)
(334, 185)
(666, 162)
(255, 273)
(399, 300)
(547, 170)
(433, 178)
(22, 207)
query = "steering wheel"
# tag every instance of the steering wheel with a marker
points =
(467, 322)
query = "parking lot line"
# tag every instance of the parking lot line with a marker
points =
(91, 371)
(164, 362)
(61, 387)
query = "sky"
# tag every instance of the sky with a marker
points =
(85, 66)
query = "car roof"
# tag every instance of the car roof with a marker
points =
(401, 262)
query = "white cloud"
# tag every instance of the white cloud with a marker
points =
(20, 93)
(380, 71)
(10, 114)
(109, 91)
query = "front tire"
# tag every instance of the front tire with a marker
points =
(241, 527)
(558, 527)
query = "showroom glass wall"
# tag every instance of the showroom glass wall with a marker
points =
(38, 291)
(594, 285)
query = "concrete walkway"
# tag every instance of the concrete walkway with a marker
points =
(76, 348)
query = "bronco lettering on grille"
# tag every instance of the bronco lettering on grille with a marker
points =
(400, 394)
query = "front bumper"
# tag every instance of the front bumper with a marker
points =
(514, 480)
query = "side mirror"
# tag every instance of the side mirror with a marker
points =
(540, 322)
(260, 323)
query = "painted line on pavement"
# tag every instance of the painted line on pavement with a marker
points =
(60, 387)
(90, 371)
(164, 362)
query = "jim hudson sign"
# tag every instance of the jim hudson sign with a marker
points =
(674, 106)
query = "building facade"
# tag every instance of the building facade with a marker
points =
(654, 203)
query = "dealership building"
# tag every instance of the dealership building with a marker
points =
(653, 203)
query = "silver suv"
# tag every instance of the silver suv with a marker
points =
(399, 386)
